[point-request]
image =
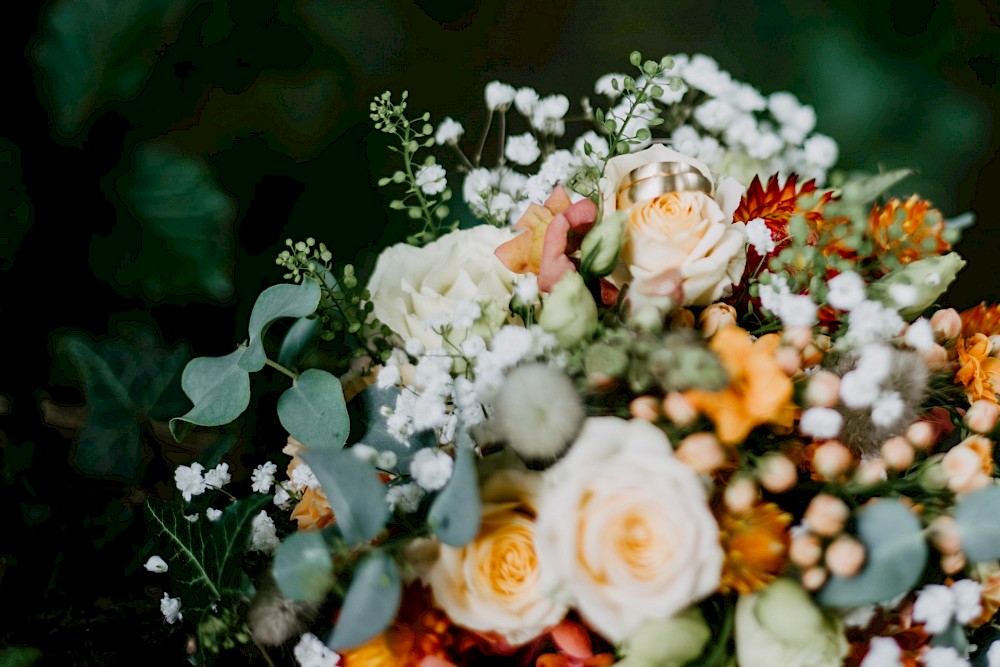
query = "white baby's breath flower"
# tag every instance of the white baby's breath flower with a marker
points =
(526, 288)
(903, 296)
(414, 347)
(993, 655)
(797, 310)
(968, 595)
(386, 460)
(431, 468)
(821, 151)
(510, 345)
(465, 313)
(846, 290)
(944, 656)
(760, 236)
(703, 73)
(473, 346)
(476, 187)
(875, 363)
(156, 564)
(431, 179)
(213, 514)
(888, 408)
(714, 115)
(525, 100)
(500, 205)
(218, 476)
(192, 518)
(189, 480)
(171, 609)
(871, 322)
(448, 132)
(549, 113)
(312, 652)
(882, 652)
(499, 95)
(763, 145)
(282, 498)
(686, 140)
(920, 335)
(262, 477)
(388, 376)
(745, 97)
(856, 391)
(404, 497)
(599, 148)
(934, 607)
(303, 478)
(604, 85)
(263, 536)
(522, 149)
(821, 422)
(364, 452)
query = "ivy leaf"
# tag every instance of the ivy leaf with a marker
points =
(976, 516)
(127, 379)
(371, 602)
(303, 568)
(355, 493)
(896, 557)
(219, 389)
(185, 241)
(208, 555)
(313, 410)
(455, 513)
(273, 303)
(94, 51)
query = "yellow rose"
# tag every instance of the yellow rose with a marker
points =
(493, 584)
(624, 531)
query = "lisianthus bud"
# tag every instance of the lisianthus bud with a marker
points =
(935, 356)
(982, 416)
(669, 642)
(797, 337)
(678, 409)
(823, 390)
(805, 550)
(645, 407)
(921, 434)
(815, 351)
(602, 245)
(569, 312)
(715, 317)
(832, 459)
(963, 467)
(898, 453)
(814, 578)
(776, 473)
(741, 494)
(702, 452)
(789, 360)
(947, 324)
(944, 535)
(929, 278)
(870, 471)
(953, 563)
(826, 515)
(845, 556)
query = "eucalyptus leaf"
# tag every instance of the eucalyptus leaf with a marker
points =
(219, 389)
(355, 494)
(865, 190)
(976, 516)
(896, 557)
(313, 410)
(300, 340)
(455, 513)
(371, 602)
(275, 302)
(303, 568)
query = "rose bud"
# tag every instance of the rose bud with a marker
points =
(715, 317)
(789, 360)
(845, 556)
(870, 471)
(815, 351)
(832, 459)
(935, 356)
(776, 473)
(702, 452)
(898, 453)
(814, 578)
(921, 434)
(826, 515)
(944, 535)
(645, 407)
(953, 563)
(947, 324)
(741, 494)
(797, 337)
(963, 469)
(805, 550)
(982, 416)
(823, 390)
(678, 409)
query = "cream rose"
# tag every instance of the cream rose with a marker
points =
(493, 584)
(624, 532)
(411, 285)
(689, 231)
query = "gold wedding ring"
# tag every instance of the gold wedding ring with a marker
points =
(657, 178)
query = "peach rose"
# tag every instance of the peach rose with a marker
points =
(493, 584)
(624, 532)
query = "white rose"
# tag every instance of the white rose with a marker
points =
(411, 285)
(624, 531)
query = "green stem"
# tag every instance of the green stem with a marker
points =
(408, 165)
(482, 142)
(281, 369)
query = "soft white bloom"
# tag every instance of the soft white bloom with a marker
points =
(189, 480)
(685, 139)
(993, 655)
(920, 335)
(303, 478)
(473, 346)
(431, 179)
(526, 288)
(213, 514)
(669, 95)
(218, 476)
(821, 422)
(171, 609)
(558, 167)
(464, 313)
(509, 181)
(605, 87)
(968, 594)
(549, 113)
(741, 131)
(476, 188)
(538, 411)
(511, 344)
(599, 148)
(903, 296)
(522, 149)
(934, 607)
(263, 477)
(871, 322)
(364, 452)
(875, 363)
(431, 468)
(282, 498)
(311, 652)
(525, 100)
(448, 132)
(710, 150)
(263, 536)
(500, 205)
(943, 656)
(388, 376)
(414, 347)
(386, 460)
(404, 497)
(882, 652)
(703, 73)
(797, 120)
(821, 151)
(760, 236)
(191, 518)
(763, 145)
(499, 95)
(156, 564)
(846, 290)
(745, 97)
(858, 617)
(856, 391)
(888, 408)
(714, 115)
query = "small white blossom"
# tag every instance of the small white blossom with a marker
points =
(171, 609)
(821, 422)
(934, 607)
(715, 115)
(549, 113)
(525, 100)
(386, 460)
(282, 498)
(511, 344)
(156, 564)
(685, 139)
(871, 322)
(903, 296)
(703, 73)
(874, 363)
(604, 85)
(763, 145)
(882, 652)
(213, 514)
(669, 94)
(760, 236)
(431, 179)
(522, 149)
(499, 95)
(189, 480)
(191, 518)
(218, 476)
(887, 409)
(847, 290)
(797, 310)
(993, 655)
(263, 477)
(526, 289)
(311, 652)
(920, 335)
(388, 376)
(465, 313)
(473, 346)
(599, 148)
(303, 478)
(404, 497)
(858, 617)
(821, 151)
(745, 97)
(968, 595)
(431, 468)
(414, 347)
(364, 452)
(856, 391)
(944, 656)
(263, 536)
(477, 185)
(448, 132)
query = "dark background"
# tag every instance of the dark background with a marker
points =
(261, 108)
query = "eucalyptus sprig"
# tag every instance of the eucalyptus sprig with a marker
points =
(414, 134)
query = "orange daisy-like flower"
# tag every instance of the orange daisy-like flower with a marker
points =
(777, 203)
(978, 372)
(759, 392)
(756, 546)
(909, 230)
(982, 319)
(313, 511)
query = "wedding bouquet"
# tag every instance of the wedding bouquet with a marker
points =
(679, 395)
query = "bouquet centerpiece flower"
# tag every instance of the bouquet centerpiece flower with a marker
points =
(675, 393)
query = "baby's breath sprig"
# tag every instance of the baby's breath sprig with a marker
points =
(423, 180)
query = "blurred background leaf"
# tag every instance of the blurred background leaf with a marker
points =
(14, 203)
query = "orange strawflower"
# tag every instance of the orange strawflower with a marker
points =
(909, 230)
(756, 546)
(776, 204)
(313, 511)
(758, 392)
(978, 372)
(983, 319)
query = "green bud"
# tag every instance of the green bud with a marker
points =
(668, 642)
(635, 58)
(922, 282)
(602, 245)
(569, 312)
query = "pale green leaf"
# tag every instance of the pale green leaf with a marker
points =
(371, 602)
(275, 302)
(313, 410)
(455, 513)
(303, 568)
(299, 341)
(356, 495)
(976, 515)
(219, 389)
